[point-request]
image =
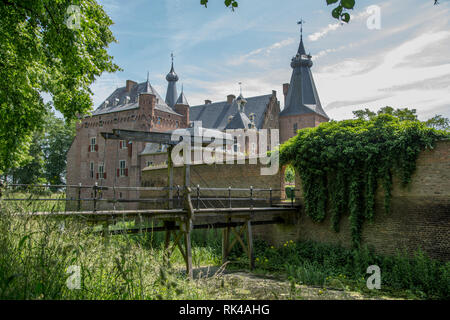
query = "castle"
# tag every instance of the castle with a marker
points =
(138, 106)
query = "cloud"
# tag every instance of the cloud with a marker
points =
(261, 51)
(322, 33)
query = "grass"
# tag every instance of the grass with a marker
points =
(37, 252)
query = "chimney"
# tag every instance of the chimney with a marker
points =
(147, 102)
(208, 101)
(130, 84)
(285, 91)
(230, 98)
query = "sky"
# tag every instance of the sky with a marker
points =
(404, 63)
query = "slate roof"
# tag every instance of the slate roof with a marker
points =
(239, 121)
(132, 103)
(216, 115)
(182, 99)
(302, 97)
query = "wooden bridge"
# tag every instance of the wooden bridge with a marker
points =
(190, 210)
(181, 209)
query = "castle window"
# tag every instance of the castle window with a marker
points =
(295, 128)
(122, 171)
(91, 170)
(122, 144)
(93, 145)
(101, 171)
(159, 120)
(149, 163)
(177, 124)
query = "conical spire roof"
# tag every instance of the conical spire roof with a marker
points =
(302, 97)
(301, 48)
(182, 99)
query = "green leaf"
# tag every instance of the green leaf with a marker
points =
(345, 17)
(336, 13)
(348, 4)
(331, 2)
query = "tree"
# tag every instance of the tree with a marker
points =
(31, 170)
(402, 114)
(46, 162)
(51, 47)
(58, 137)
(340, 12)
(437, 122)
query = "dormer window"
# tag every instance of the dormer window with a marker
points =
(116, 101)
(127, 99)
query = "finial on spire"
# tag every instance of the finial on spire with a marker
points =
(301, 22)
(148, 75)
(240, 88)
(182, 87)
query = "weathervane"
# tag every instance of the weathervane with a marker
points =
(171, 55)
(301, 22)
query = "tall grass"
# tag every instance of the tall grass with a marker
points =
(37, 252)
(329, 265)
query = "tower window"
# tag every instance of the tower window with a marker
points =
(295, 128)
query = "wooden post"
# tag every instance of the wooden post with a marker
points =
(187, 245)
(229, 196)
(251, 255)
(225, 242)
(95, 197)
(270, 195)
(170, 176)
(198, 196)
(79, 197)
(114, 197)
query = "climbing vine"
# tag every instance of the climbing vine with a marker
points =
(342, 163)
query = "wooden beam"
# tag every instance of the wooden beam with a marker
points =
(187, 245)
(250, 251)
(170, 177)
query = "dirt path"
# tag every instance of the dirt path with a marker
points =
(248, 286)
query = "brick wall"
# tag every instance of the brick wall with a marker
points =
(215, 176)
(419, 217)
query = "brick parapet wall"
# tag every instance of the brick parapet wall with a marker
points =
(419, 217)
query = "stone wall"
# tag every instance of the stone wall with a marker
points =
(419, 217)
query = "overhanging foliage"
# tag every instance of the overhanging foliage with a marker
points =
(341, 164)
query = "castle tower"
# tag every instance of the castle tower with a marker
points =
(182, 107)
(172, 78)
(302, 104)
